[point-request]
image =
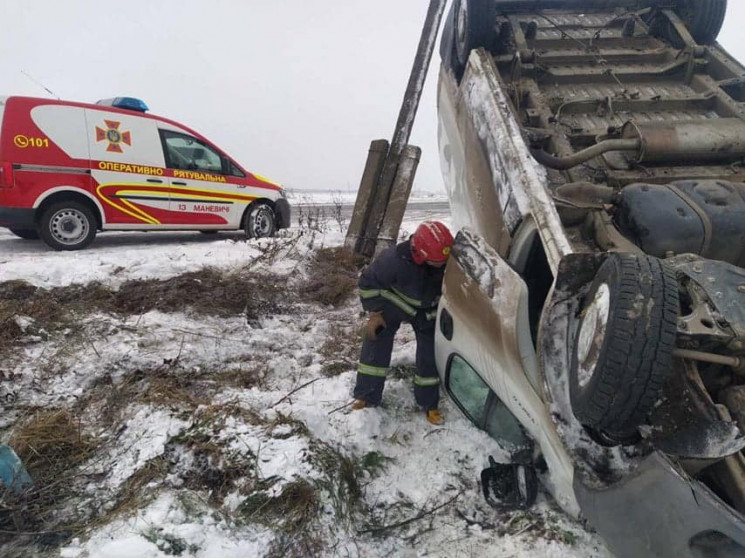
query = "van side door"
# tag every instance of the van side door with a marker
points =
(208, 190)
(128, 169)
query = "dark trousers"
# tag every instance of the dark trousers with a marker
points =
(376, 359)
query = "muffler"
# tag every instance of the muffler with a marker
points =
(697, 141)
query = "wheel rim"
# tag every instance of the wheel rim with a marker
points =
(69, 226)
(461, 26)
(262, 225)
(592, 333)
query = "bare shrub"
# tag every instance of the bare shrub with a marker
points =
(311, 216)
(337, 211)
(332, 276)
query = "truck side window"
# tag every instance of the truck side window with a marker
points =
(483, 407)
(468, 390)
(235, 171)
(188, 153)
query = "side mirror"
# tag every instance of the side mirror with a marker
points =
(511, 486)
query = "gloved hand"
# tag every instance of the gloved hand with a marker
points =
(375, 324)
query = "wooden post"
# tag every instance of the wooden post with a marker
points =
(378, 201)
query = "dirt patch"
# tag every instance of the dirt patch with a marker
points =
(332, 276)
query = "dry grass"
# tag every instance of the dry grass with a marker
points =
(342, 476)
(51, 441)
(292, 510)
(167, 385)
(252, 370)
(52, 446)
(135, 493)
(340, 349)
(332, 276)
(209, 291)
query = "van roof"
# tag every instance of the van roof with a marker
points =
(36, 101)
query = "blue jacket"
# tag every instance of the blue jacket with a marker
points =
(394, 282)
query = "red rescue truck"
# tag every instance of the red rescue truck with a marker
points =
(68, 170)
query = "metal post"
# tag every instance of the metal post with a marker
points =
(404, 124)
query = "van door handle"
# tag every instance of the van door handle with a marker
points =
(155, 180)
(179, 183)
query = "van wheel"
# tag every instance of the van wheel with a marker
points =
(68, 225)
(703, 18)
(25, 234)
(623, 349)
(261, 221)
(474, 28)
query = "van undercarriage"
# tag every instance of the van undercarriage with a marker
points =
(618, 130)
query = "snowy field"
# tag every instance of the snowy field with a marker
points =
(206, 382)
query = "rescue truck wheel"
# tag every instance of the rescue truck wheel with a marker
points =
(261, 221)
(25, 234)
(68, 225)
(623, 348)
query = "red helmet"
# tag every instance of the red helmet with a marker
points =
(431, 242)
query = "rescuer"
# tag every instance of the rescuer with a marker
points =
(403, 285)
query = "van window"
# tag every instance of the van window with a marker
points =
(235, 171)
(468, 390)
(188, 153)
(483, 407)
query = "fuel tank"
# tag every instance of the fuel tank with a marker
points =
(698, 217)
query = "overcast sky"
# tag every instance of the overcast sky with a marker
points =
(293, 89)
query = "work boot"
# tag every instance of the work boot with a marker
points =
(434, 416)
(359, 404)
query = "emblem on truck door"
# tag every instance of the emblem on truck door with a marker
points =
(113, 136)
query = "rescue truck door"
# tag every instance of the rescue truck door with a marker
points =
(203, 192)
(128, 169)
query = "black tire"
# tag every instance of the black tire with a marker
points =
(623, 348)
(25, 234)
(473, 28)
(68, 225)
(704, 18)
(260, 221)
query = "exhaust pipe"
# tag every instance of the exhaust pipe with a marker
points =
(694, 142)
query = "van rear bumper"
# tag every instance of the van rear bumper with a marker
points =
(16, 217)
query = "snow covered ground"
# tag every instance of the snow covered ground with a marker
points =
(226, 433)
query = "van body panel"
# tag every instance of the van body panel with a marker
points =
(120, 161)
